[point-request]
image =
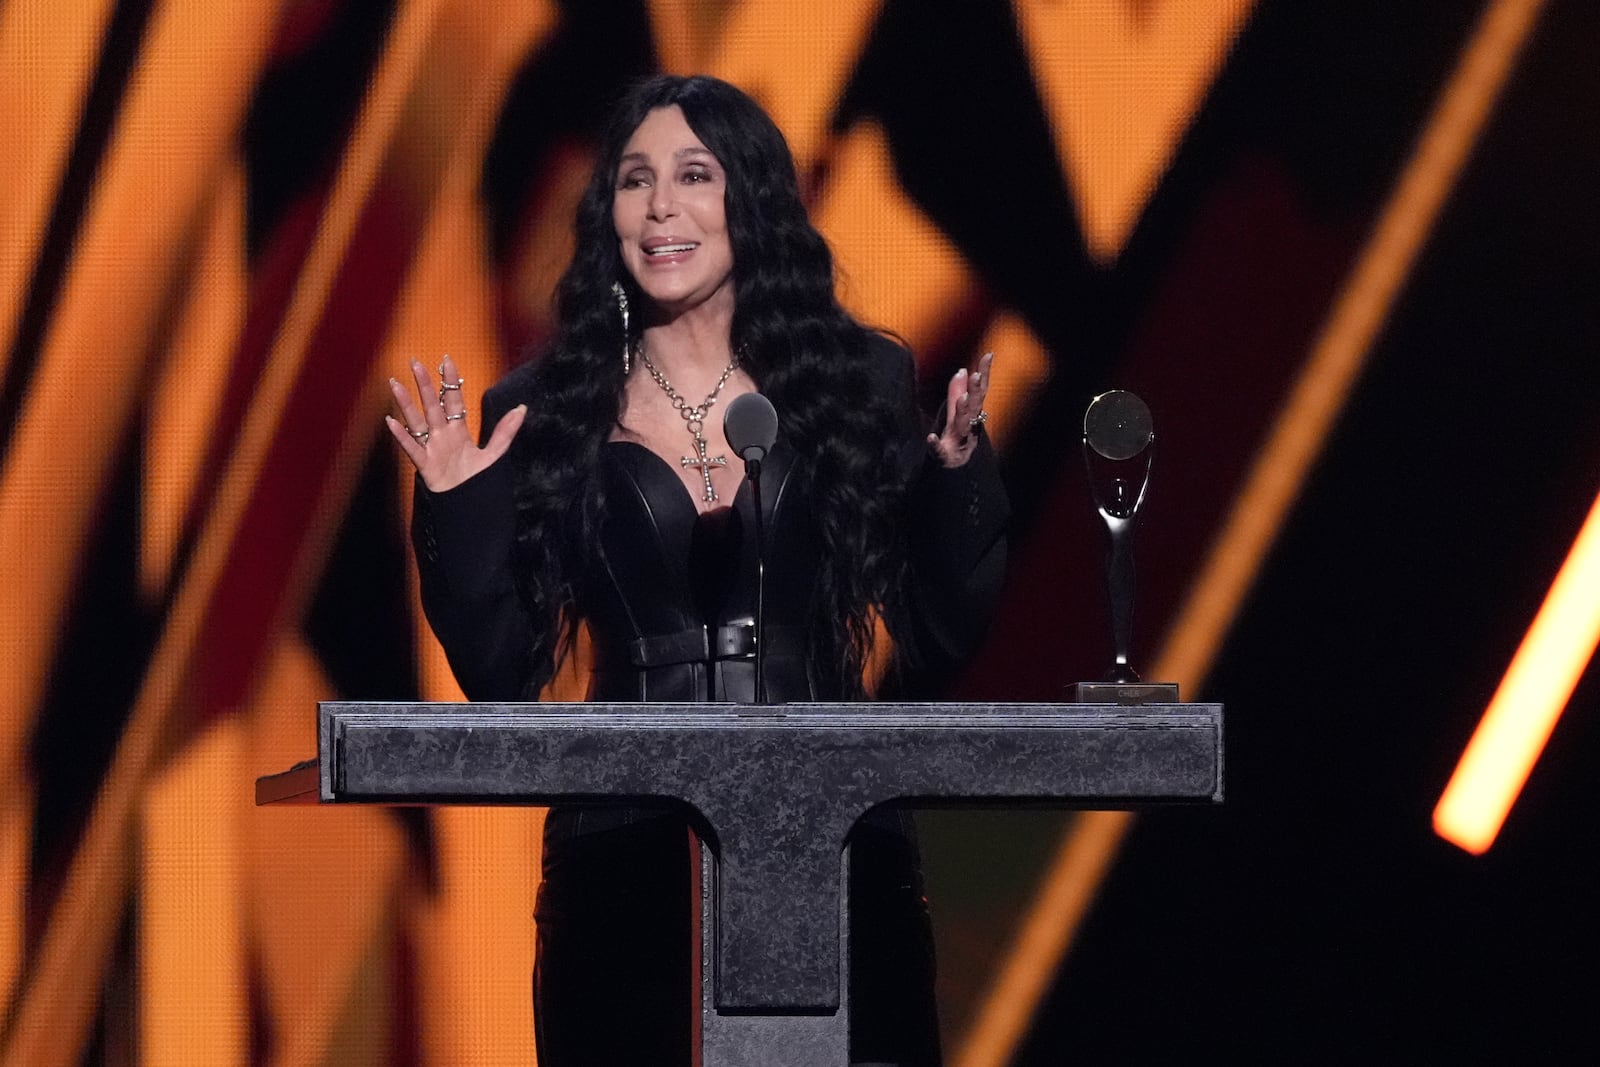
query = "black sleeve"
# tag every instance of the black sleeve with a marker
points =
(958, 551)
(956, 526)
(464, 539)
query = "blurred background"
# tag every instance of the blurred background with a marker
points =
(1347, 253)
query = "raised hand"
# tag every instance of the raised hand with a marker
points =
(955, 442)
(433, 433)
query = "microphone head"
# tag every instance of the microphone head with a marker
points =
(751, 426)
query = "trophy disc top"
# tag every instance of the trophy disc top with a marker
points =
(1117, 425)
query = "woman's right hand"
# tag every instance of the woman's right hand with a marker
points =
(433, 433)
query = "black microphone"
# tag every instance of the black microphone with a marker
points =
(751, 427)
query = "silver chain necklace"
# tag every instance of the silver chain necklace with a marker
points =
(695, 417)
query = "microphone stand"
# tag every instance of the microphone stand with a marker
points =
(752, 470)
(751, 426)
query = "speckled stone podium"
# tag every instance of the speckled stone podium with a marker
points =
(775, 791)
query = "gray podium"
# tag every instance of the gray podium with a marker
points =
(776, 789)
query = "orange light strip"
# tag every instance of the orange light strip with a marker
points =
(186, 42)
(1258, 511)
(1088, 849)
(1531, 697)
(1121, 83)
(16, 840)
(193, 379)
(48, 50)
(194, 1002)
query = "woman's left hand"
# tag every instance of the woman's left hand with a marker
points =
(958, 438)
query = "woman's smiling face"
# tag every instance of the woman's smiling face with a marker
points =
(670, 216)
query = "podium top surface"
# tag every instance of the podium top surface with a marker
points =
(546, 753)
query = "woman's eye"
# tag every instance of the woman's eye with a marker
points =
(634, 180)
(698, 174)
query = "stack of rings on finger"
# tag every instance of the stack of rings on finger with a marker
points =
(977, 420)
(449, 387)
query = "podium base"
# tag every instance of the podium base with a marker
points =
(1125, 693)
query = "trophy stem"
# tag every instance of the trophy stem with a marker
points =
(1119, 580)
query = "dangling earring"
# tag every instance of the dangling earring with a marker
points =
(627, 344)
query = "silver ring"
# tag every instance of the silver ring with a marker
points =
(445, 387)
(978, 420)
(420, 435)
(457, 415)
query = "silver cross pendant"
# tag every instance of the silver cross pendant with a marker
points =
(704, 464)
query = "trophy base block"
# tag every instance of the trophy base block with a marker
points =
(1125, 693)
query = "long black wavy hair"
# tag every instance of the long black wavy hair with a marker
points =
(798, 345)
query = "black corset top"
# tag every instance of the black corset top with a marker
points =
(671, 596)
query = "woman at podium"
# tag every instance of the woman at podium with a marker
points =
(603, 494)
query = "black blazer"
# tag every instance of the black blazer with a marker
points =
(670, 599)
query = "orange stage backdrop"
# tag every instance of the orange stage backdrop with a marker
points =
(224, 225)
